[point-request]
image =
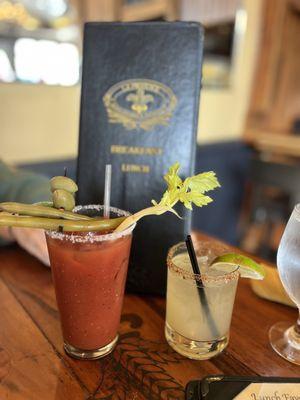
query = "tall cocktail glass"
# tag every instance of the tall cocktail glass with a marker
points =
(285, 337)
(89, 271)
(199, 308)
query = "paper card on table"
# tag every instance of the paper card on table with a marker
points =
(270, 391)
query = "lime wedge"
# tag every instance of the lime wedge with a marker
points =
(247, 267)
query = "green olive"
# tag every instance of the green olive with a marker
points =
(63, 199)
(63, 183)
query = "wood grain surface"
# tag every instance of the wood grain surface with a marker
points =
(33, 364)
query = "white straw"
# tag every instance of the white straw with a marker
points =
(107, 190)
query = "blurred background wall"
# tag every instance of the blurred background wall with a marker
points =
(249, 119)
(40, 121)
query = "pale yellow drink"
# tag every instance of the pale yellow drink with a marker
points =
(199, 309)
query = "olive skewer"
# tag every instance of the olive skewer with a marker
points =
(55, 215)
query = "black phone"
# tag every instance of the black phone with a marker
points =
(220, 387)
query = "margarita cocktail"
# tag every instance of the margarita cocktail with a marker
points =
(199, 308)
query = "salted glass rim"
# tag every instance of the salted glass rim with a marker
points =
(93, 236)
(206, 277)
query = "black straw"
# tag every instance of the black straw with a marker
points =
(65, 171)
(201, 291)
(193, 257)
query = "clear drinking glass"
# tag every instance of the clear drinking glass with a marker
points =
(89, 272)
(199, 308)
(284, 338)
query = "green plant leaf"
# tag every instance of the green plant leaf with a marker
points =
(198, 199)
(172, 178)
(202, 182)
(190, 191)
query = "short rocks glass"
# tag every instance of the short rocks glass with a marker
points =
(199, 308)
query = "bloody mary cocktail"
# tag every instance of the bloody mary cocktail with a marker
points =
(89, 273)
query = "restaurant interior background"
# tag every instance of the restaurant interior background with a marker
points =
(249, 120)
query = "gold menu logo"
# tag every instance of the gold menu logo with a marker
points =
(139, 103)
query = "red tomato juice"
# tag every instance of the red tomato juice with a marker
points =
(89, 280)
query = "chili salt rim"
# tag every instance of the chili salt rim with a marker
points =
(203, 277)
(93, 236)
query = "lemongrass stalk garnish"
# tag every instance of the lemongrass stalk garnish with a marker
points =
(189, 191)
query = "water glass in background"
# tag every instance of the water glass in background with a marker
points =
(199, 307)
(284, 337)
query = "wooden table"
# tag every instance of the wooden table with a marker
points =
(33, 364)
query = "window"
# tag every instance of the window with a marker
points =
(39, 42)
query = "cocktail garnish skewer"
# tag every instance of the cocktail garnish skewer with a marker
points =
(191, 190)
